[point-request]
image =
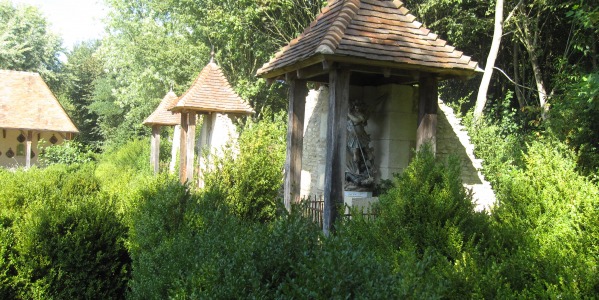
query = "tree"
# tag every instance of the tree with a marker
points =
(153, 45)
(79, 75)
(26, 44)
(481, 99)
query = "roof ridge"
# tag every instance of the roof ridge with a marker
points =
(336, 31)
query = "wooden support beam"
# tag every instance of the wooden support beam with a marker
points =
(311, 71)
(155, 149)
(336, 146)
(28, 149)
(175, 148)
(183, 149)
(190, 147)
(298, 90)
(386, 72)
(427, 114)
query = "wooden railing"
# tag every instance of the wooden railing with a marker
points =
(313, 209)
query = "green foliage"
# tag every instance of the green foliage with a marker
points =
(155, 45)
(250, 175)
(429, 208)
(61, 237)
(26, 44)
(497, 144)
(215, 254)
(79, 75)
(69, 152)
(574, 119)
(545, 227)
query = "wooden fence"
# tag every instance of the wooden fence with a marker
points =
(313, 209)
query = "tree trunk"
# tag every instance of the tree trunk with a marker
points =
(519, 94)
(530, 41)
(481, 99)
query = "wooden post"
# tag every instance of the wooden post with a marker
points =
(427, 116)
(336, 146)
(28, 149)
(191, 140)
(208, 122)
(298, 91)
(183, 149)
(155, 149)
(175, 148)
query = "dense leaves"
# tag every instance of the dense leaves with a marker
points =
(249, 173)
(26, 44)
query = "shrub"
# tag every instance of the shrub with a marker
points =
(60, 237)
(250, 175)
(429, 208)
(69, 152)
(72, 250)
(546, 226)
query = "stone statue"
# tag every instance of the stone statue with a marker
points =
(359, 174)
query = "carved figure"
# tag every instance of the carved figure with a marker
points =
(359, 172)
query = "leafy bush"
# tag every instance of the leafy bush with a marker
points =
(429, 208)
(217, 254)
(69, 152)
(250, 175)
(574, 118)
(61, 238)
(546, 227)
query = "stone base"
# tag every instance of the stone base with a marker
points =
(360, 200)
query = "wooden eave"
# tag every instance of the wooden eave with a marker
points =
(316, 69)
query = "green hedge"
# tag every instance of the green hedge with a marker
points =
(60, 236)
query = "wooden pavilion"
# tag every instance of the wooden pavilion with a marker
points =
(209, 95)
(29, 112)
(359, 43)
(161, 117)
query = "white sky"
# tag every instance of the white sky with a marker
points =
(73, 20)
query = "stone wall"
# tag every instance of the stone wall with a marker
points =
(452, 139)
(392, 124)
(392, 121)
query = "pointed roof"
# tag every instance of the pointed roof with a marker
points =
(162, 115)
(211, 92)
(370, 32)
(27, 103)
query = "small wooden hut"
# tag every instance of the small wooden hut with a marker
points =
(29, 112)
(162, 116)
(359, 43)
(209, 95)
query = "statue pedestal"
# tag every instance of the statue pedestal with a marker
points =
(359, 200)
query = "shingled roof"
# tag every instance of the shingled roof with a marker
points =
(27, 103)
(370, 32)
(211, 92)
(162, 115)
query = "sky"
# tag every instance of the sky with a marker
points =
(73, 20)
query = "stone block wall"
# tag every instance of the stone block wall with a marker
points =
(392, 125)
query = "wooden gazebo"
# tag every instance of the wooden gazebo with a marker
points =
(161, 117)
(359, 42)
(209, 95)
(29, 112)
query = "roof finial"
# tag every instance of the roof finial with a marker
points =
(171, 87)
(212, 55)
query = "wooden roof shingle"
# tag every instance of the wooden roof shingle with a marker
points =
(26, 103)
(211, 92)
(370, 32)
(162, 115)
